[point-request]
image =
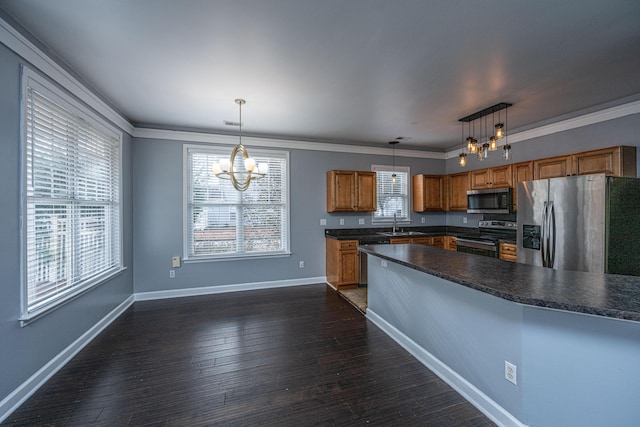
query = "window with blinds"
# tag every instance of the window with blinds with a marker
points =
(222, 222)
(71, 233)
(392, 197)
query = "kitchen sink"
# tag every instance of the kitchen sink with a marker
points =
(401, 233)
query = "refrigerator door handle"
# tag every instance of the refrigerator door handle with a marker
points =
(552, 234)
(543, 237)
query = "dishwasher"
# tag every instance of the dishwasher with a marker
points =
(368, 240)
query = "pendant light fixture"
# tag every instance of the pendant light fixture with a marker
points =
(226, 169)
(499, 128)
(487, 143)
(393, 174)
(493, 141)
(462, 161)
(506, 148)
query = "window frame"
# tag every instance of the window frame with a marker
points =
(224, 151)
(32, 81)
(388, 220)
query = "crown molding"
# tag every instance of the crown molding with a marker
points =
(209, 138)
(24, 48)
(611, 113)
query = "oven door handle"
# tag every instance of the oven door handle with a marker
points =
(476, 244)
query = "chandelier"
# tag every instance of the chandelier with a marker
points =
(484, 143)
(227, 169)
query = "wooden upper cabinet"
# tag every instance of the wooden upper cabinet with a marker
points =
(366, 191)
(457, 186)
(351, 191)
(553, 167)
(496, 177)
(428, 193)
(520, 172)
(614, 161)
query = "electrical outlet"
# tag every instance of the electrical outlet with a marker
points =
(172, 274)
(301, 264)
(360, 221)
(383, 263)
(323, 221)
(510, 372)
(423, 219)
(464, 219)
(341, 221)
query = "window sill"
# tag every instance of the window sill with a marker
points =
(31, 317)
(235, 257)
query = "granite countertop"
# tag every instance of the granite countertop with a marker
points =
(435, 230)
(608, 295)
(363, 233)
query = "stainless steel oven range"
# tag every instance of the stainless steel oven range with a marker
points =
(485, 241)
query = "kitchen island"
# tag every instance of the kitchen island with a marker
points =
(573, 337)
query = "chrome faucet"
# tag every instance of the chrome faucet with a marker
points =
(395, 223)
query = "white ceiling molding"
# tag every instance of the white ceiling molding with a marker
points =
(209, 138)
(568, 124)
(15, 41)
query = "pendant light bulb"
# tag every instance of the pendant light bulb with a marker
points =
(493, 143)
(463, 159)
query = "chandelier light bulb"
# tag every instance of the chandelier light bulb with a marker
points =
(225, 165)
(249, 164)
(216, 168)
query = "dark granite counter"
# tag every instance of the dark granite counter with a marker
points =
(606, 295)
(368, 233)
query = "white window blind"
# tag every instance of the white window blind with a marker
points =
(392, 197)
(71, 211)
(223, 222)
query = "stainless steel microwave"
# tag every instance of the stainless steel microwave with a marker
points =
(492, 200)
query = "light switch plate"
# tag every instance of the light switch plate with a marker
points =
(175, 262)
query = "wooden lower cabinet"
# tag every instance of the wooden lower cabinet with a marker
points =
(508, 251)
(451, 243)
(435, 241)
(343, 263)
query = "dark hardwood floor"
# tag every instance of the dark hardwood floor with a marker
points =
(284, 357)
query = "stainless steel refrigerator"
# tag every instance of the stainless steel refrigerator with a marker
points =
(581, 223)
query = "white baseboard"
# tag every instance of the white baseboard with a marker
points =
(189, 292)
(26, 389)
(471, 393)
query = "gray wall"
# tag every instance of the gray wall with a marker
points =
(25, 350)
(158, 183)
(157, 166)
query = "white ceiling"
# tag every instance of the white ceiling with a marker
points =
(346, 71)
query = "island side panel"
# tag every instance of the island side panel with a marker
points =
(581, 369)
(472, 333)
